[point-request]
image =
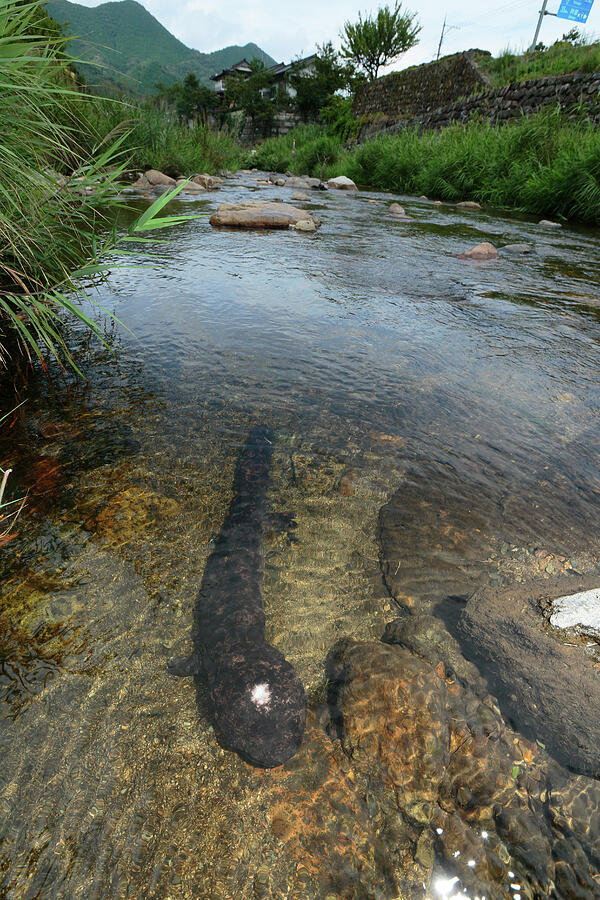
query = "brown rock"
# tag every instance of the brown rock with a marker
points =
(396, 210)
(483, 251)
(153, 176)
(468, 204)
(254, 214)
(393, 708)
(142, 184)
(300, 196)
(208, 182)
(438, 203)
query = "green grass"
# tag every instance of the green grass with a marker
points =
(560, 59)
(157, 139)
(544, 165)
(58, 189)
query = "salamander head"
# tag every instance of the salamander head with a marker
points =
(259, 704)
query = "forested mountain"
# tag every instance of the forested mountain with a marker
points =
(122, 46)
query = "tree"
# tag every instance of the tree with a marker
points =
(253, 95)
(375, 42)
(314, 90)
(194, 99)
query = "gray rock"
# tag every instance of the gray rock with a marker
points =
(342, 183)
(549, 688)
(549, 224)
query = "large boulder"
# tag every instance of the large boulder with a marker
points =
(153, 176)
(548, 686)
(254, 214)
(341, 183)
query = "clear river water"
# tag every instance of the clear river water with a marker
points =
(436, 433)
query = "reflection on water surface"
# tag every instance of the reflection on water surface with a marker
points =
(436, 430)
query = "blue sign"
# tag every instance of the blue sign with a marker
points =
(575, 10)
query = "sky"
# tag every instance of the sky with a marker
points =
(288, 29)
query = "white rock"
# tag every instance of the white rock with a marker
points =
(579, 611)
(549, 223)
(342, 183)
(306, 225)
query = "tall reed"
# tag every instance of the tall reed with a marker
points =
(58, 187)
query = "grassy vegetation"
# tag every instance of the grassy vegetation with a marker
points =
(544, 165)
(58, 188)
(562, 58)
(157, 139)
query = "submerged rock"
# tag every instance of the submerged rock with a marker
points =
(481, 252)
(549, 223)
(254, 214)
(548, 688)
(518, 249)
(468, 204)
(300, 196)
(342, 183)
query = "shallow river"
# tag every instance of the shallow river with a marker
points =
(436, 432)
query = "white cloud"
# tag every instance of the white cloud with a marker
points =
(286, 28)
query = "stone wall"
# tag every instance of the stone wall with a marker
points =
(570, 92)
(282, 124)
(422, 89)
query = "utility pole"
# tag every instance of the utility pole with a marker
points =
(441, 38)
(444, 30)
(543, 12)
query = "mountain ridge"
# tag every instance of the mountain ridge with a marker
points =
(120, 46)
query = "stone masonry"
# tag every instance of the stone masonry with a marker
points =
(573, 94)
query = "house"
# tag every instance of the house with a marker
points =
(281, 75)
(242, 67)
(282, 72)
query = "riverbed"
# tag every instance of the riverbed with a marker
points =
(436, 432)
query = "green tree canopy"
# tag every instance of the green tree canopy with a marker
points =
(314, 90)
(375, 42)
(253, 95)
(195, 99)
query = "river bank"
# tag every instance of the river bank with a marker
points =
(546, 165)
